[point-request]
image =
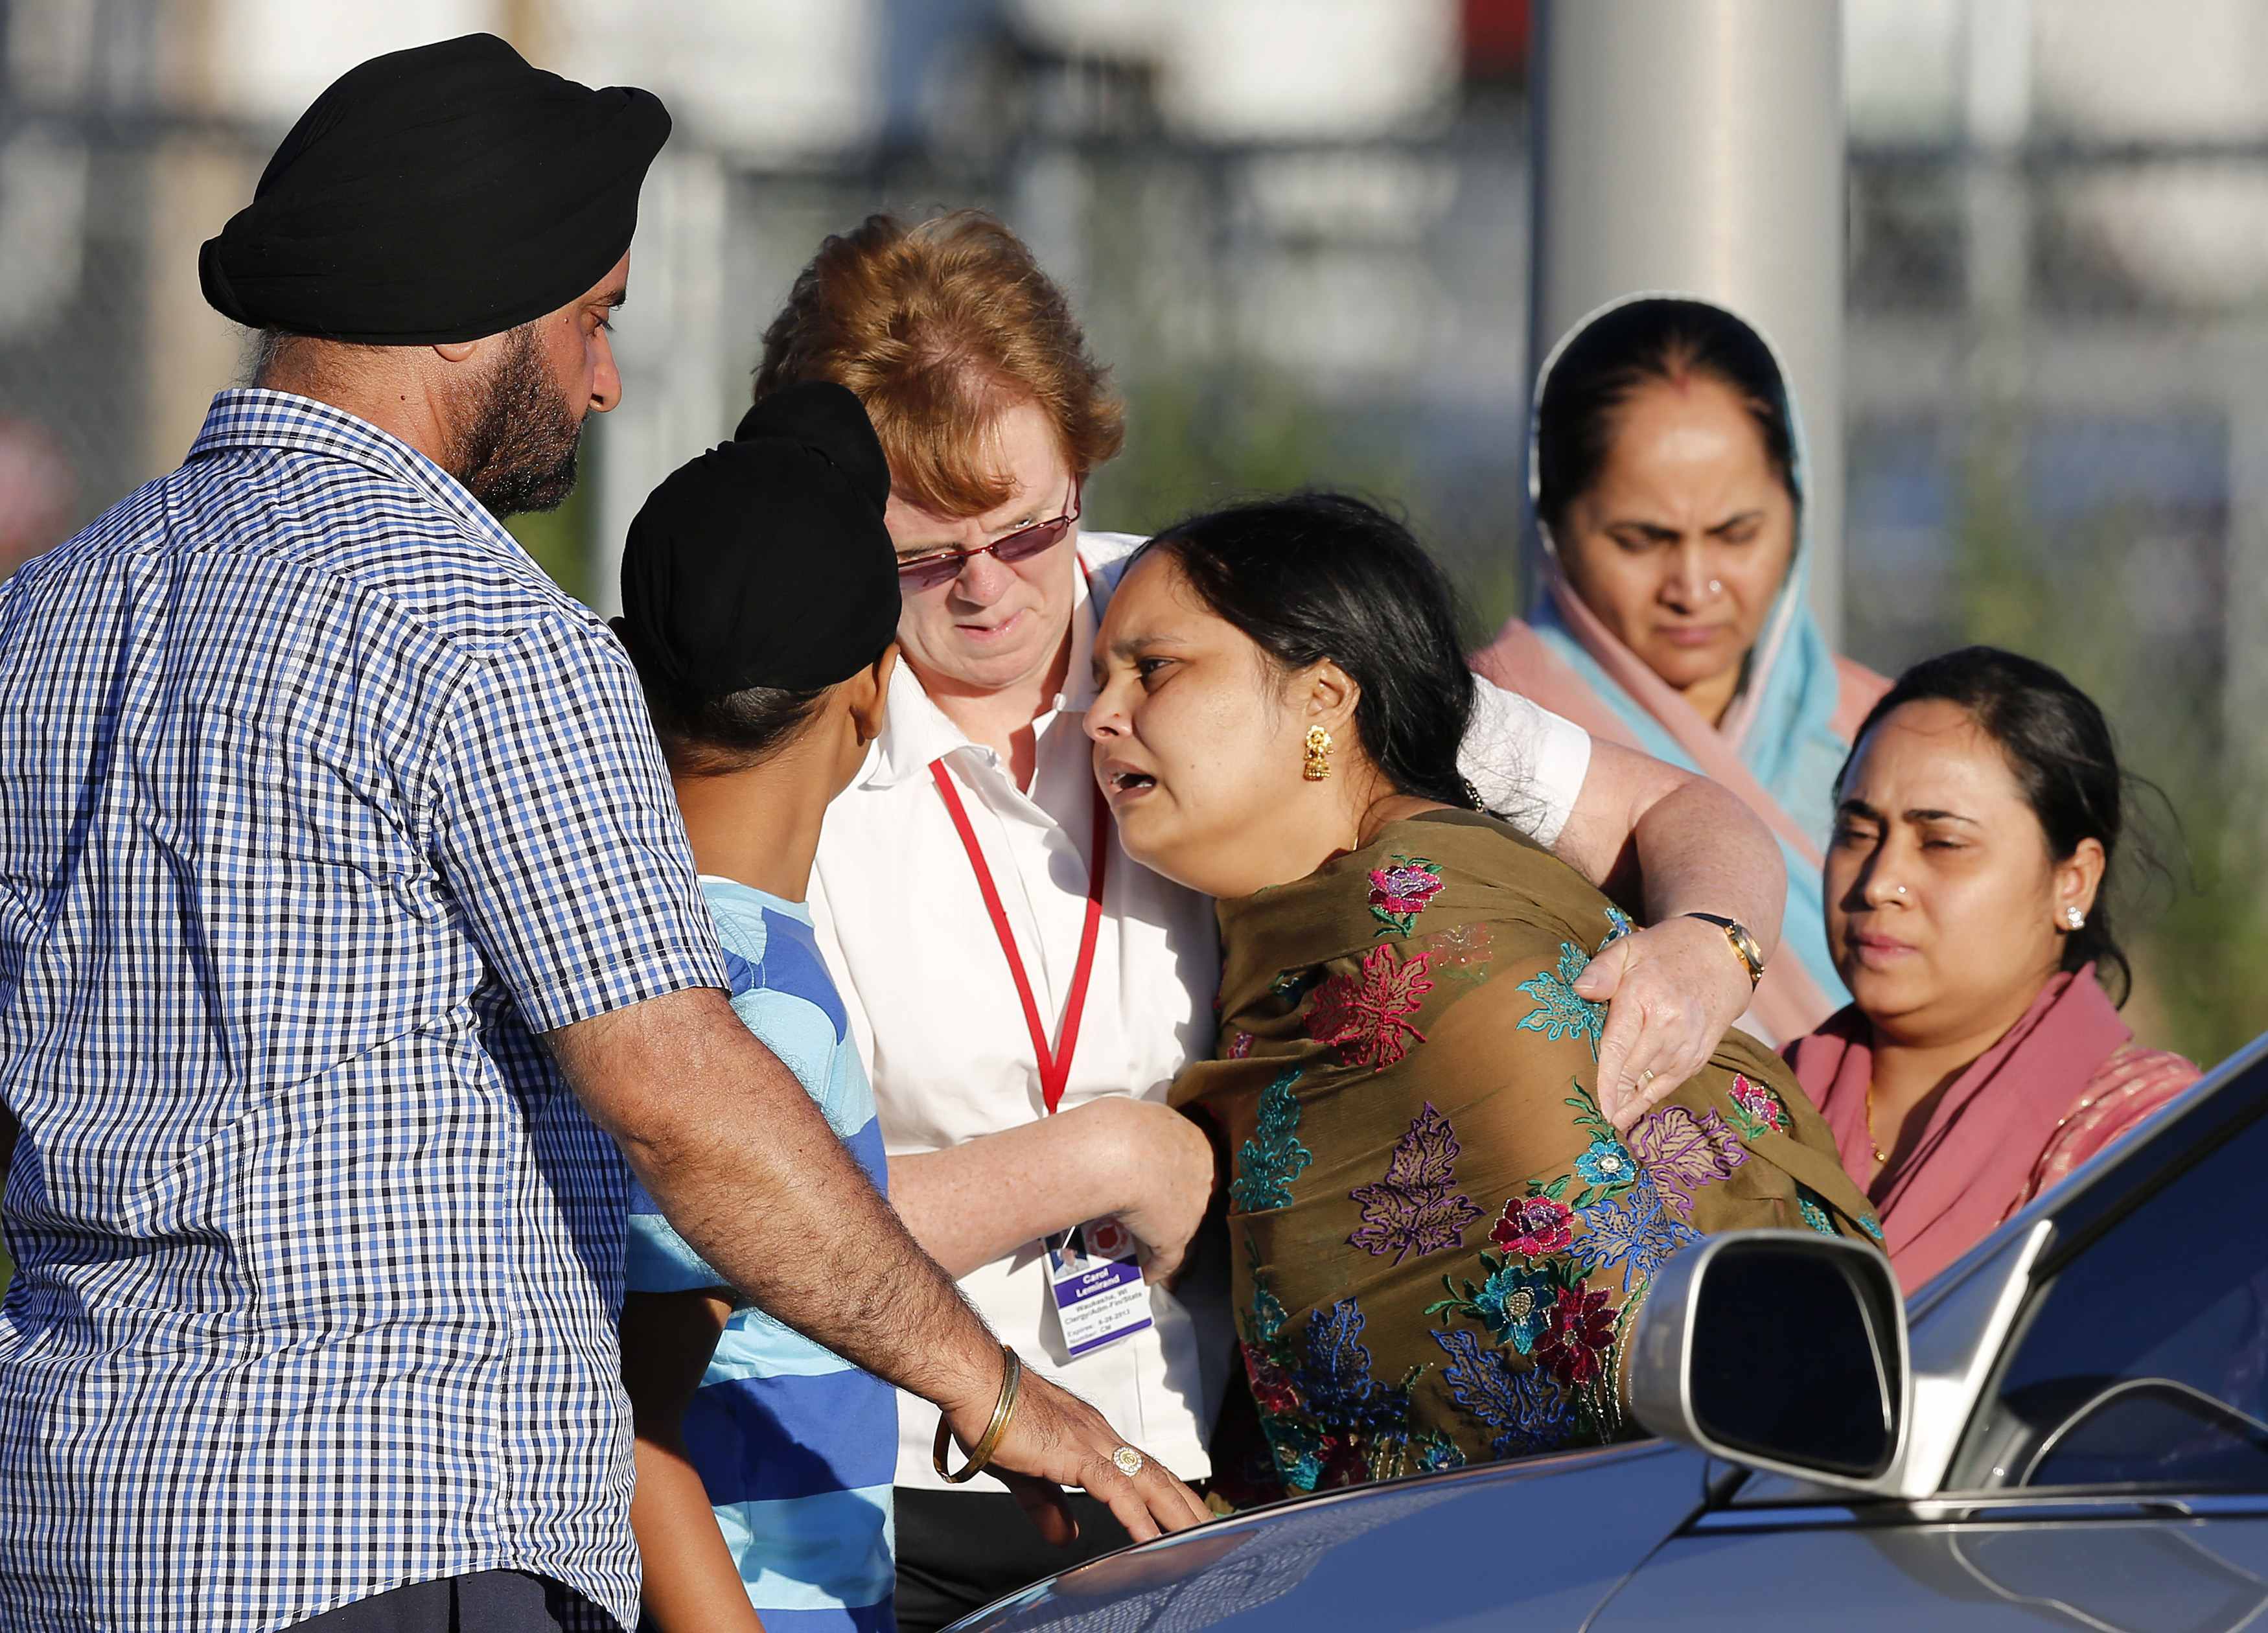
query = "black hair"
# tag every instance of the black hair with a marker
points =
(1316, 576)
(1635, 345)
(715, 736)
(2059, 748)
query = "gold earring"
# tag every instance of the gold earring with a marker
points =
(1319, 754)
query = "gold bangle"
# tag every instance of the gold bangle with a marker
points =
(1004, 1409)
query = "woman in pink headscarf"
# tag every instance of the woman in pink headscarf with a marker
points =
(1666, 468)
(1976, 824)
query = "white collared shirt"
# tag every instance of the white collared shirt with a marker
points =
(942, 1032)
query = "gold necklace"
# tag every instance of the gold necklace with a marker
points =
(1880, 1156)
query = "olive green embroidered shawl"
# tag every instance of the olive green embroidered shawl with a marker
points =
(1437, 1237)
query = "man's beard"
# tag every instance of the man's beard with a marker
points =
(516, 450)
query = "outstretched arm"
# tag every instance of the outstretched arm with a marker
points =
(1143, 1163)
(1669, 842)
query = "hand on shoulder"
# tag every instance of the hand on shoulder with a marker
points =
(1674, 989)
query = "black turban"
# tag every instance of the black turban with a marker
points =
(765, 561)
(439, 193)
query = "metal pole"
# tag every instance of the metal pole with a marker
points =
(1698, 145)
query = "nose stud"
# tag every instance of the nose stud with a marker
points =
(1900, 892)
(1716, 587)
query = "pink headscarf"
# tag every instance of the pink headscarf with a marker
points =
(1788, 730)
(1976, 1158)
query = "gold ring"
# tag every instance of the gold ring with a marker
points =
(1647, 1076)
(1128, 1460)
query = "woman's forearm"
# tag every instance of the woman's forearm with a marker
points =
(984, 1198)
(1701, 851)
(1667, 841)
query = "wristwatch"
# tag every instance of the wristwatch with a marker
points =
(1743, 944)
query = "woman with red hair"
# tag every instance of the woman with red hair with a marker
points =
(1023, 993)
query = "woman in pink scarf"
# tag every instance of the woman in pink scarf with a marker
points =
(1666, 469)
(1976, 824)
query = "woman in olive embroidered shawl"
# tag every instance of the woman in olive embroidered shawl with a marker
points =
(1438, 1237)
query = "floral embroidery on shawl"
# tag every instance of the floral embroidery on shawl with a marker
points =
(1635, 1231)
(1604, 1167)
(1873, 1227)
(1366, 1017)
(1240, 1047)
(1334, 1376)
(1400, 892)
(1756, 1110)
(1269, 1314)
(1462, 952)
(1543, 1311)
(1533, 1226)
(1271, 1384)
(1582, 1332)
(1526, 1408)
(1273, 1157)
(1685, 1152)
(1814, 1215)
(1606, 1164)
(1546, 1312)
(1515, 1303)
(1534, 1296)
(1518, 1346)
(1328, 1422)
(1416, 1207)
(1558, 1013)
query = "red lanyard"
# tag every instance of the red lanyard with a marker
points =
(1055, 1065)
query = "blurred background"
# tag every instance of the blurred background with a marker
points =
(1299, 231)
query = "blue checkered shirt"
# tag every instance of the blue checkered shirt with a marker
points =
(321, 801)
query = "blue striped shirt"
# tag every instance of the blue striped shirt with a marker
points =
(321, 802)
(795, 1444)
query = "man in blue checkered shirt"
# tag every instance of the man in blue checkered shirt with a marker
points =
(343, 904)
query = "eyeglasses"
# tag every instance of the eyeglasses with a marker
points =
(934, 568)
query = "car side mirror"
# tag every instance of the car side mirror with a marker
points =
(1779, 1349)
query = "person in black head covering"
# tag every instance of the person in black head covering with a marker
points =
(761, 566)
(438, 247)
(760, 607)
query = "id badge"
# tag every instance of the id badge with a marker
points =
(1100, 1292)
